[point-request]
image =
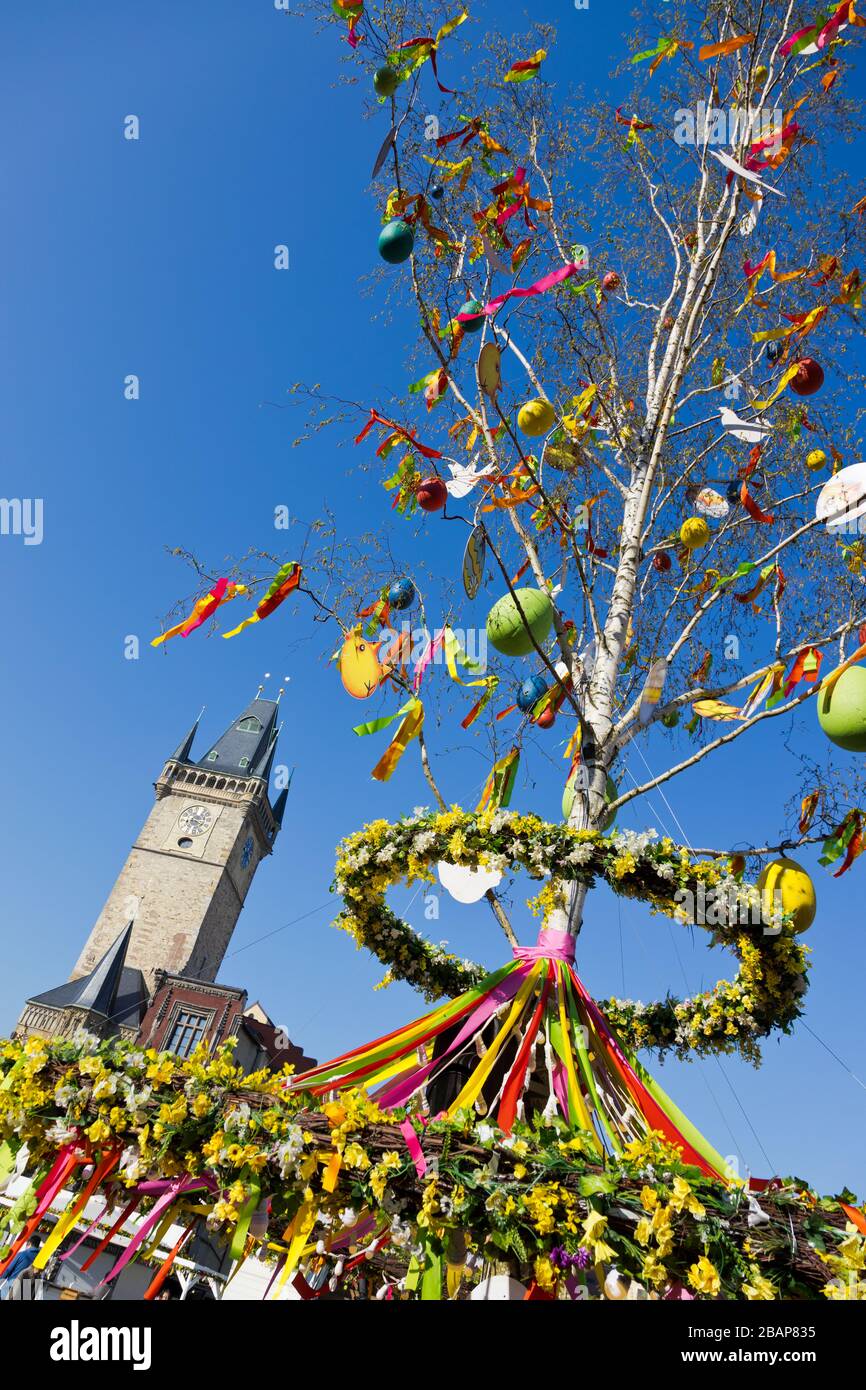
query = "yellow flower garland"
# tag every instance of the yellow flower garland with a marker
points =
(732, 1016)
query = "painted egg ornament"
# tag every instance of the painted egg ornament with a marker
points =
(815, 460)
(437, 191)
(476, 323)
(431, 494)
(386, 80)
(546, 719)
(774, 352)
(662, 562)
(783, 883)
(671, 719)
(610, 282)
(401, 594)
(396, 241)
(760, 75)
(842, 500)
(536, 417)
(490, 370)
(531, 692)
(505, 626)
(711, 503)
(809, 378)
(473, 561)
(732, 491)
(694, 533)
(842, 710)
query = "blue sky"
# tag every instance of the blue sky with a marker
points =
(155, 257)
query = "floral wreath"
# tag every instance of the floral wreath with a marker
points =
(765, 993)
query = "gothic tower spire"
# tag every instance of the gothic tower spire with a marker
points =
(188, 873)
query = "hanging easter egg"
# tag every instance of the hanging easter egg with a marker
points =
(615, 1287)
(711, 503)
(490, 370)
(386, 80)
(760, 75)
(610, 282)
(815, 460)
(473, 561)
(774, 351)
(467, 885)
(575, 778)
(842, 499)
(396, 241)
(531, 692)
(401, 594)
(809, 378)
(784, 884)
(546, 719)
(732, 491)
(536, 417)
(431, 494)
(507, 629)
(662, 562)
(667, 323)
(842, 710)
(437, 191)
(475, 322)
(671, 719)
(694, 533)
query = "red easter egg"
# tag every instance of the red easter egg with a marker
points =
(809, 378)
(547, 718)
(431, 494)
(662, 561)
(611, 281)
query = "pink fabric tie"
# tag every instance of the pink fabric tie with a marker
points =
(554, 945)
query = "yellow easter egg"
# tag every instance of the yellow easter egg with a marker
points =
(816, 460)
(536, 417)
(694, 533)
(783, 883)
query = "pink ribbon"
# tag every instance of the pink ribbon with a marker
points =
(547, 282)
(424, 661)
(109, 1205)
(400, 1091)
(826, 35)
(416, 1153)
(551, 945)
(176, 1188)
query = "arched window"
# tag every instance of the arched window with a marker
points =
(250, 725)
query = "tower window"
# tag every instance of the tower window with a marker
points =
(188, 1031)
(184, 842)
(243, 762)
(250, 725)
(213, 755)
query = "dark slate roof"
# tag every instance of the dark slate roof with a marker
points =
(255, 745)
(112, 989)
(265, 1035)
(183, 751)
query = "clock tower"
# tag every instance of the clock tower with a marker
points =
(188, 873)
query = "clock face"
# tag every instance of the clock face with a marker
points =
(195, 820)
(247, 852)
